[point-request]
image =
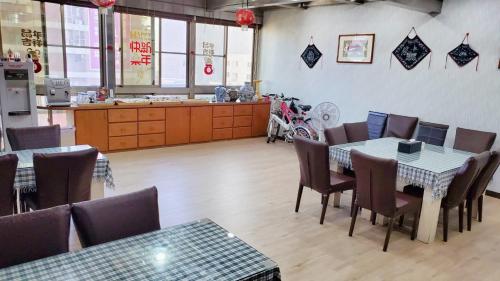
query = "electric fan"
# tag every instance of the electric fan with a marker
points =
(325, 115)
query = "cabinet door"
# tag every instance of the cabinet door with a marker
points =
(177, 125)
(92, 128)
(201, 124)
(260, 119)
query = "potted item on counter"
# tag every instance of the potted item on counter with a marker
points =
(220, 92)
(246, 92)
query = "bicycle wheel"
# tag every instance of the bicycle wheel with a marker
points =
(303, 132)
(272, 130)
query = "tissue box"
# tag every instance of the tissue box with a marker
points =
(409, 146)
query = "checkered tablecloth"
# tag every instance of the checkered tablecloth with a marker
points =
(199, 250)
(25, 175)
(433, 167)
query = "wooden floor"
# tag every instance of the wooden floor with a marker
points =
(249, 187)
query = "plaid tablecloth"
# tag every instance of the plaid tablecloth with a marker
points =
(199, 250)
(25, 175)
(434, 167)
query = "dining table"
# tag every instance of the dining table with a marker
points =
(25, 174)
(199, 250)
(432, 168)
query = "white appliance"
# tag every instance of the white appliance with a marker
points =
(325, 115)
(58, 91)
(17, 96)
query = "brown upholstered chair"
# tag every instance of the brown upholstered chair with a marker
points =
(399, 126)
(8, 167)
(432, 133)
(62, 178)
(30, 236)
(335, 135)
(315, 172)
(34, 137)
(356, 131)
(108, 219)
(376, 191)
(479, 187)
(473, 141)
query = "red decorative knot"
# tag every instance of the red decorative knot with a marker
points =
(245, 17)
(103, 3)
(208, 69)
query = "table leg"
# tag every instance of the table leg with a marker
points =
(474, 210)
(334, 166)
(336, 199)
(97, 189)
(429, 216)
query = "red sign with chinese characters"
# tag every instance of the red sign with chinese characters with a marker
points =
(144, 50)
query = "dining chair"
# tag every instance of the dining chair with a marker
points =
(473, 141)
(479, 187)
(35, 235)
(432, 133)
(335, 136)
(376, 124)
(34, 137)
(376, 191)
(400, 126)
(8, 167)
(103, 220)
(62, 178)
(356, 131)
(315, 173)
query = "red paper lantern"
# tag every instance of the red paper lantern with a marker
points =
(103, 3)
(245, 17)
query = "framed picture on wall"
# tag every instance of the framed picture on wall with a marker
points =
(355, 48)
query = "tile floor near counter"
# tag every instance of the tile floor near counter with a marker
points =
(249, 187)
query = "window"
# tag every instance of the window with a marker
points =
(209, 50)
(239, 56)
(173, 53)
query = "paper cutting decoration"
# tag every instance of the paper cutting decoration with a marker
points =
(411, 51)
(463, 54)
(311, 55)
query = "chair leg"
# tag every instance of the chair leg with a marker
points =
(461, 217)
(325, 204)
(373, 217)
(353, 201)
(388, 235)
(401, 220)
(469, 215)
(445, 223)
(353, 219)
(414, 229)
(299, 196)
(480, 208)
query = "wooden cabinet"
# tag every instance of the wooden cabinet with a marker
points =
(242, 132)
(151, 114)
(223, 122)
(243, 110)
(177, 122)
(151, 127)
(92, 128)
(243, 121)
(260, 119)
(223, 110)
(222, 134)
(151, 140)
(122, 115)
(201, 123)
(120, 143)
(122, 129)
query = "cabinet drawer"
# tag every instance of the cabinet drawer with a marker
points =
(148, 114)
(151, 140)
(223, 122)
(117, 143)
(242, 132)
(243, 121)
(241, 110)
(222, 134)
(122, 115)
(151, 127)
(223, 111)
(122, 129)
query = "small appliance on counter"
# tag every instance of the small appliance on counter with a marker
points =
(58, 91)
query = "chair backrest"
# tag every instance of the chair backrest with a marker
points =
(400, 126)
(463, 180)
(376, 124)
(484, 177)
(108, 219)
(8, 167)
(375, 182)
(34, 137)
(432, 133)
(63, 178)
(473, 141)
(35, 235)
(314, 163)
(335, 135)
(356, 131)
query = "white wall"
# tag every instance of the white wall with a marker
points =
(455, 96)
